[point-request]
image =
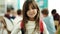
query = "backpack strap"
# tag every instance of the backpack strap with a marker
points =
(22, 26)
(41, 27)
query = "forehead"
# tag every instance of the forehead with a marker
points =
(32, 5)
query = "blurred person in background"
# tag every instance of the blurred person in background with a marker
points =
(3, 26)
(8, 13)
(17, 20)
(48, 21)
(8, 19)
(18, 17)
(55, 16)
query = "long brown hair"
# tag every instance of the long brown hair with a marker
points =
(33, 5)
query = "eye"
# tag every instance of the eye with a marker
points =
(33, 8)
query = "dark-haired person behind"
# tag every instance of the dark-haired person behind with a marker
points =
(55, 16)
(9, 13)
(48, 21)
(8, 20)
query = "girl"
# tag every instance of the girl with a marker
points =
(31, 18)
(30, 22)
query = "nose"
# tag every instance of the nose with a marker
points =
(31, 10)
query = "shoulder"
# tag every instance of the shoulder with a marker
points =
(49, 18)
(41, 21)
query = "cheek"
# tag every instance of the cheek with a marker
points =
(35, 12)
(27, 13)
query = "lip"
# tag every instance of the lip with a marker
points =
(32, 13)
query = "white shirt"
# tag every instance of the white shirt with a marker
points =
(30, 26)
(17, 20)
(17, 29)
(9, 24)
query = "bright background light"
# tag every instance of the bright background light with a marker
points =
(54, 4)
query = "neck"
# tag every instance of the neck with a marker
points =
(31, 19)
(45, 15)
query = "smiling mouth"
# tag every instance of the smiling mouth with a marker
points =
(32, 14)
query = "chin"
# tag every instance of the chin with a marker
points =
(32, 17)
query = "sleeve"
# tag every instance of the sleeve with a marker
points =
(45, 29)
(9, 24)
(17, 29)
(5, 31)
(52, 25)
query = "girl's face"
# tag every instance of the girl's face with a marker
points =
(31, 13)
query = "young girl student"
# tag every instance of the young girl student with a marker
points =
(31, 19)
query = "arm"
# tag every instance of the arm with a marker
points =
(8, 24)
(45, 29)
(52, 25)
